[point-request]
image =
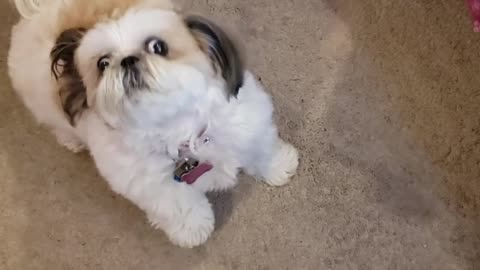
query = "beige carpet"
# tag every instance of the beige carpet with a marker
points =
(382, 97)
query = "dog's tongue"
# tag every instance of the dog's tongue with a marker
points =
(474, 6)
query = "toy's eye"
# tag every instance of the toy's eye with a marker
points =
(156, 46)
(103, 63)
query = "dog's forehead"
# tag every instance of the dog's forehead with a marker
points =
(136, 22)
(129, 31)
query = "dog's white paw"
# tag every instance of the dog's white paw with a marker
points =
(191, 229)
(74, 146)
(283, 166)
(69, 141)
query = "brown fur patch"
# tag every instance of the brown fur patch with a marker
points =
(72, 91)
(223, 52)
(78, 14)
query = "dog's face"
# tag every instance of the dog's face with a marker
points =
(143, 67)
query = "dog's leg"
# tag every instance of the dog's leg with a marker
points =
(69, 140)
(181, 211)
(282, 164)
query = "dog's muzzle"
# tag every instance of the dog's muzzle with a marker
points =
(132, 78)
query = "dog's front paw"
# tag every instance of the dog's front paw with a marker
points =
(195, 229)
(283, 166)
(192, 228)
(69, 141)
(74, 146)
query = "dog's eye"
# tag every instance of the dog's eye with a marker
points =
(103, 63)
(156, 46)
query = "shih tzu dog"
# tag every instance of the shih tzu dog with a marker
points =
(161, 101)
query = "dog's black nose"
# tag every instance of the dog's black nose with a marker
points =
(129, 61)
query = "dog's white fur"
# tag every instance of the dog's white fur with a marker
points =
(134, 141)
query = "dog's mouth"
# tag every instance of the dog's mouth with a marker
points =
(133, 80)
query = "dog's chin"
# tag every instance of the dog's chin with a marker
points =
(133, 82)
(147, 101)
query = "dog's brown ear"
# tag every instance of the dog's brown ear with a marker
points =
(221, 49)
(73, 94)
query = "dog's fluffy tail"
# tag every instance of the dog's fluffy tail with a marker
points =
(28, 8)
